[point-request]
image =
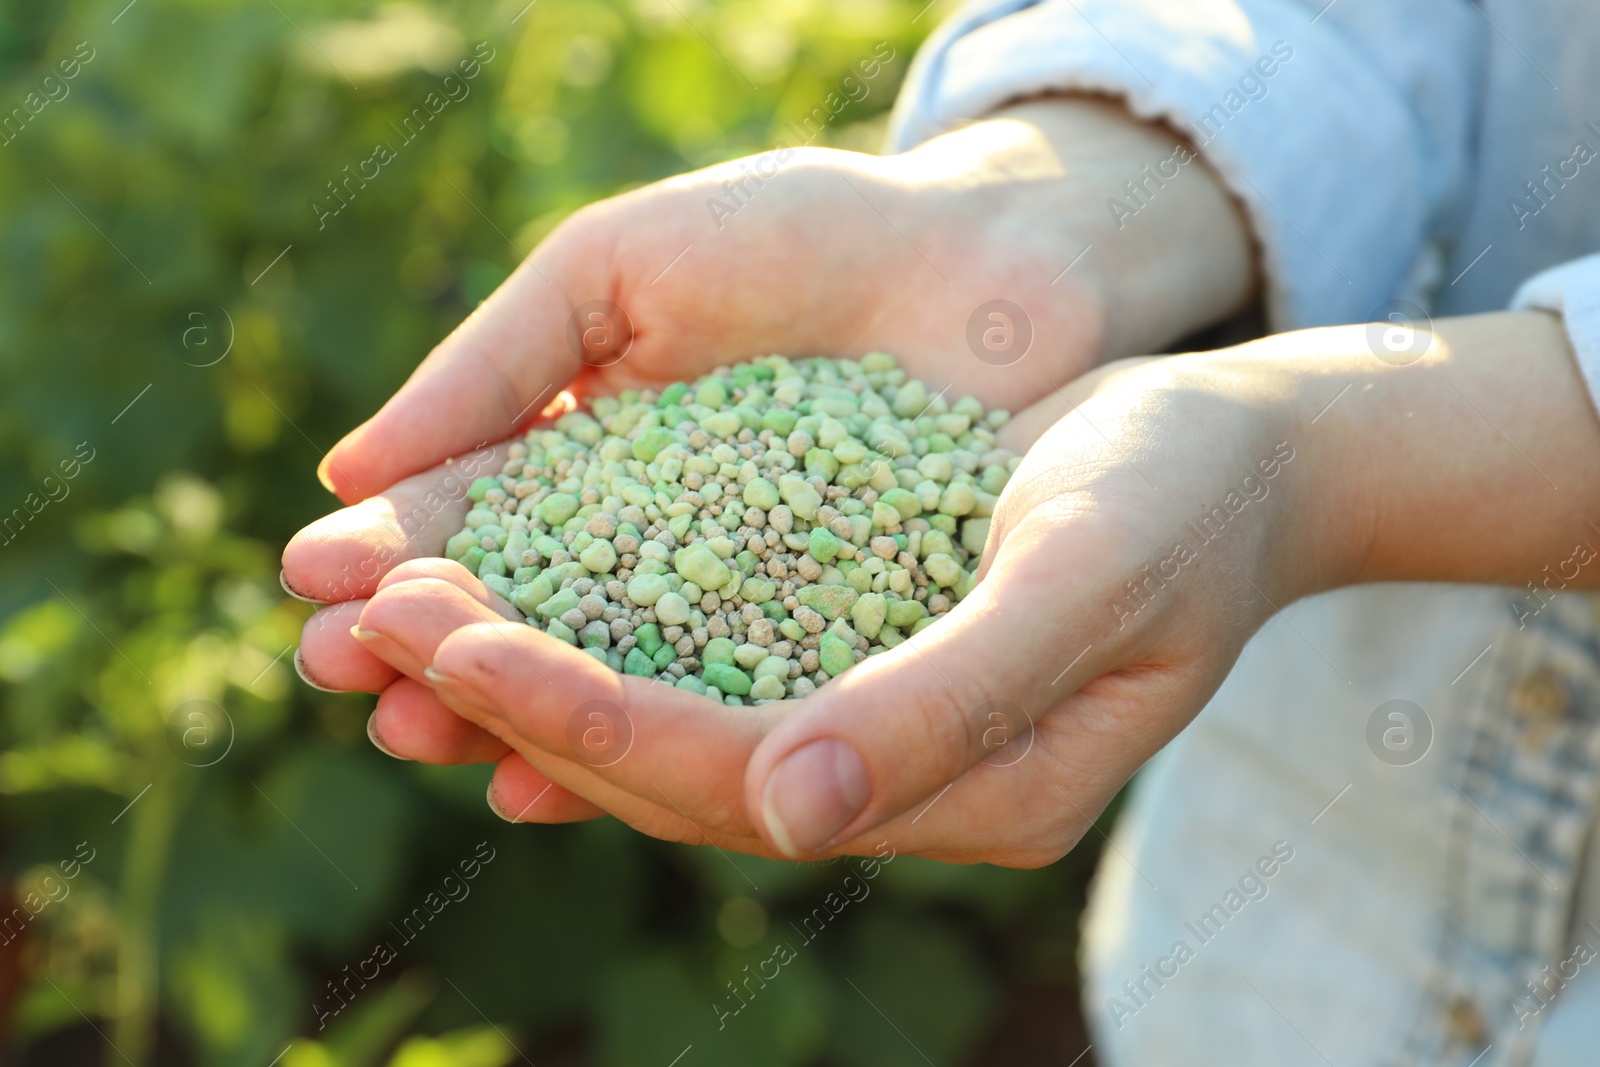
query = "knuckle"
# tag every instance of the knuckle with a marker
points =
(950, 738)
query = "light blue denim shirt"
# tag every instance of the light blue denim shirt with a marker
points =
(1378, 844)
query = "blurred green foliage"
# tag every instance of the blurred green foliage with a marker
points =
(183, 331)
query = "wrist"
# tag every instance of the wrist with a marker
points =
(1162, 260)
(1468, 456)
(1243, 413)
(1327, 511)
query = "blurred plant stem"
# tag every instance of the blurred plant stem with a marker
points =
(138, 961)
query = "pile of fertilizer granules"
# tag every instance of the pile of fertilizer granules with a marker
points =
(749, 536)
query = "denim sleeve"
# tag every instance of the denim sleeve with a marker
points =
(1343, 128)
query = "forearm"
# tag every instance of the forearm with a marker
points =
(1479, 462)
(1183, 261)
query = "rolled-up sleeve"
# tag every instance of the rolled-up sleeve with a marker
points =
(1343, 130)
(1572, 291)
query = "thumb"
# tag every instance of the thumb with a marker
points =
(494, 373)
(901, 726)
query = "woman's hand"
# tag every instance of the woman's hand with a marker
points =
(819, 252)
(1033, 701)
(1146, 536)
(823, 252)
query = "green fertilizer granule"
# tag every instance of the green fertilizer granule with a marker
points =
(749, 535)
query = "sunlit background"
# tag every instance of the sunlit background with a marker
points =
(194, 844)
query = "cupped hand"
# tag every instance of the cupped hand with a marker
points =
(1146, 535)
(1103, 619)
(809, 251)
(803, 252)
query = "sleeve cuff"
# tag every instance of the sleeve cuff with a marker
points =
(1285, 111)
(1572, 291)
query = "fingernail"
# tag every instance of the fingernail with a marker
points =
(364, 635)
(377, 740)
(494, 805)
(813, 794)
(283, 580)
(439, 678)
(300, 669)
(324, 477)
